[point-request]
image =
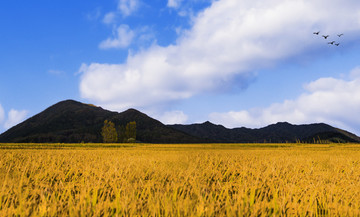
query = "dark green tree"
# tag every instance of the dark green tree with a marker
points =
(130, 132)
(121, 134)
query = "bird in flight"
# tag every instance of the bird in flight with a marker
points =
(340, 34)
(332, 42)
(316, 33)
(337, 44)
(325, 36)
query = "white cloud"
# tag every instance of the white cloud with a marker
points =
(123, 37)
(109, 18)
(15, 117)
(174, 3)
(173, 117)
(2, 114)
(227, 41)
(329, 100)
(127, 7)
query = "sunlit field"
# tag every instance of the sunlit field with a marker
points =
(179, 180)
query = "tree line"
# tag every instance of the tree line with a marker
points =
(122, 134)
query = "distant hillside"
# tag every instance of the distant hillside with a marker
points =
(275, 133)
(74, 122)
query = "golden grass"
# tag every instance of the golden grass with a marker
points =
(181, 180)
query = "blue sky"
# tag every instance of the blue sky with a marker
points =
(234, 62)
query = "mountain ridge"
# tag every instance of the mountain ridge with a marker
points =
(280, 132)
(70, 121)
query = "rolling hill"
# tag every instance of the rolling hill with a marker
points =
(70, 121)
(73, 122)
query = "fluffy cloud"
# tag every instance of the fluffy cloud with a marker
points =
(227, 42)
(127, 7)
(329, 100)
(15, 117)
(123, 37)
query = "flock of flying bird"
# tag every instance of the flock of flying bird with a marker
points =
(326, 36)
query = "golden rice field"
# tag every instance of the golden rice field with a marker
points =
(179, 180)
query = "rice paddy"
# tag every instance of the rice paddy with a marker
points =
(179, 180)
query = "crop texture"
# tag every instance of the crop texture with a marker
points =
(181, 180)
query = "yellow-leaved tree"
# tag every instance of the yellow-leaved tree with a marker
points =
(108, 132)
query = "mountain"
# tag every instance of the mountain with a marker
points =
(276, 133)
(74, 122)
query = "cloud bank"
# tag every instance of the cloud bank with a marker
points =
(330, 100)
(229, 40)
